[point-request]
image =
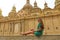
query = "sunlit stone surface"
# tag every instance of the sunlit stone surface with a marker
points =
(26, 19)
(30, 38)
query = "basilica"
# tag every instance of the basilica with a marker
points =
(26, 19)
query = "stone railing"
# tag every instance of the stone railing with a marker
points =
(46, 37)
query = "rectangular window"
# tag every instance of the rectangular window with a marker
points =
(20, 27)
(16, 29)
(11, 27)
(0, 28)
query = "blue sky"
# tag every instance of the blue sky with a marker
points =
(6, 5)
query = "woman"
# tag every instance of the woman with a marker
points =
(39, 31)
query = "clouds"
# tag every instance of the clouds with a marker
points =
(6, 5)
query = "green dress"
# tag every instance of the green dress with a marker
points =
(38, 33)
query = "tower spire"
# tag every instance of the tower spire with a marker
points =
(28, 1)
(35, 4)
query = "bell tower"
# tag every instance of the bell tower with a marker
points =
(45, 5)
(35, 4)
(13, 9)
(57, 2)
(13, 12)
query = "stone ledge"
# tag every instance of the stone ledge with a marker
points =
(44, 37)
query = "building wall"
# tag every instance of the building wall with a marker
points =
(51, 26)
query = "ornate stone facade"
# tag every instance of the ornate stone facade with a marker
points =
(26, 18)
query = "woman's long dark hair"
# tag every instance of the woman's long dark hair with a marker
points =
(39, 19)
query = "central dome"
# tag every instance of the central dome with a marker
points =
(27, 6)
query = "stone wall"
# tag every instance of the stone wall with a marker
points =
(46, 37)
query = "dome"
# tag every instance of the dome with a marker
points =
(13, 13)
(26, 10)
(27, 6)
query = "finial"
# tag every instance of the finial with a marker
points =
(35, 4)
